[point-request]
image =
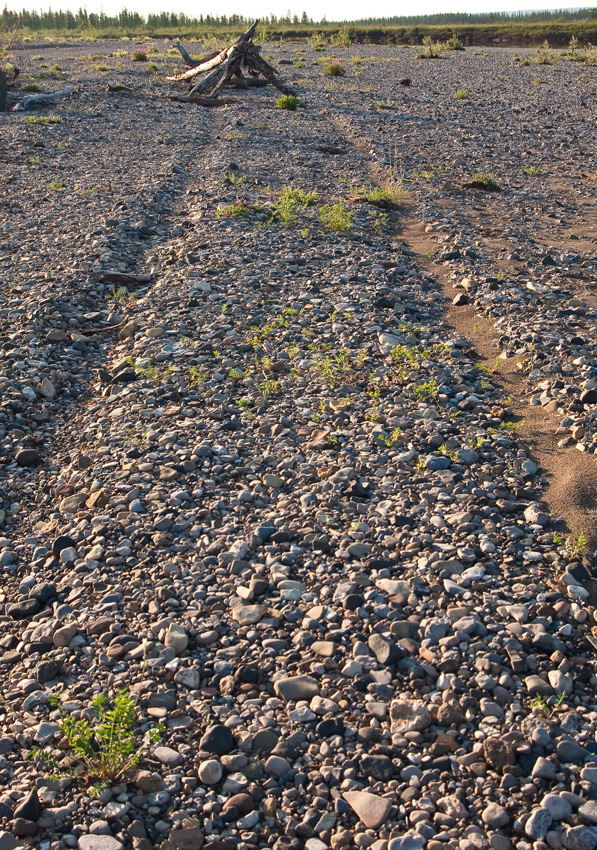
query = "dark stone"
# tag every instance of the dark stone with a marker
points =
(386, 651)
(286, 842)
(291, 747)
(353, 601)
(62, 542)
(43, 592)
(6, 746)
(264, 741)
(247, 675)
(327, 728)
(22, 610)
(218, 739)
(460, 300)
(46, 671)
(27, 457)
(23, 828)
(367, 734)
(378, 767)
(243, 803)
(127, 376)
(569, 752)
(5, 812)
(548, 260)
(29, 808)
(589, 396)
(499, 754)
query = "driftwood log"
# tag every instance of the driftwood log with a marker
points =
(228, 67)
(42, 99)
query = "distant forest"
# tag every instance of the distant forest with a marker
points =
(481, 28)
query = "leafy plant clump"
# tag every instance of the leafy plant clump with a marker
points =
(287, 101)
(383, 197)
(454, 43)
(109, 747)
(139, 56)
(485, 182)
(285, 209)
(236, 210)
(334, 69)
(461, 94)
(431, 49)
(43, 119)
(335, 217)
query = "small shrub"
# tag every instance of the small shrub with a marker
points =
(285, 209)
(31, 87)
(44, 119)
(341, 38)
(335, 217)
(287, 101)
(102, 68)
(55, 68)
(431, 49)
(383, 197)
(334, 69)
(139, 56)
(543, 55)
(237, 210)
(454, 43)
(461, 94)
(108, 748)
(152, 66)
(485, 182)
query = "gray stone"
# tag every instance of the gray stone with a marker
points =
(559, 808)
(168, 756)
(99, 842)
(537, 824)
(210, 771)
(277, 766)
(580, 838)
(409, 716)
(543, 769)
(369, 808)
(296, 688)
(589, 811)
(495, 817)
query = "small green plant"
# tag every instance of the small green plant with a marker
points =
(43, 119)
(335, 217)
(539, 703)
(575, 545)
(102, 68)
(236, 210)
(151, 66)
(460, 94)
(123, 295)
(533, 171)
(285, 210)
(420, 464)
(341, 38)
(196, 376)
(387, 198)
(139, 56)
(485, 182)
(108, 748)
(427, 391)
(287, 101)
(431, 49)
(35, 160)
(266, 388)
(453, 43)
(334, 69)
(33, 87)
(55, 186)
(543, 55)
(55, 69)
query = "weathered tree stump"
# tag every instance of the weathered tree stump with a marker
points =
(2, 91)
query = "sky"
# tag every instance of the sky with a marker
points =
(334, 10)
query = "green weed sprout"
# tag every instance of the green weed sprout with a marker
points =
(108, 748)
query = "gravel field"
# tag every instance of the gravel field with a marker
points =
(318, 485)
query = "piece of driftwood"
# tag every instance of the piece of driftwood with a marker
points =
(42, 99)
(200, 101)
(113, 276)
(228, 67)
